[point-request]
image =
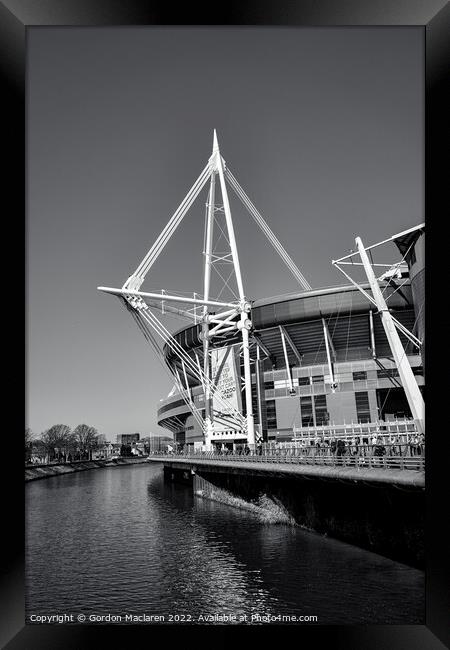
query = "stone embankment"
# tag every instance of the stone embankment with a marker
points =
(268, 509)
(34, 472)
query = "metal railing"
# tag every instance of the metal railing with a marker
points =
(385, 428)
(378, 456)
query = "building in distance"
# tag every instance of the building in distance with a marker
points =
(127, 438)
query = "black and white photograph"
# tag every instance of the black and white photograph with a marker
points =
(255, 414)
(225, 356)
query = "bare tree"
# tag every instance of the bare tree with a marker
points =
(56, 440)
(29, 436)
(86, 438)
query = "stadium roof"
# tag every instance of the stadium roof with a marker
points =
(345, 312)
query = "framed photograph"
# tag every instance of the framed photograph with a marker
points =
(224, 222)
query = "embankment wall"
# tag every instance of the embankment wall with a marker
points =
(35, 472)
(384, 518)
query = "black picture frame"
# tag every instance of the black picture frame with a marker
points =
(16, 17)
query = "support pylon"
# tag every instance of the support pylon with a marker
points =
(234, 315)
(413, 394)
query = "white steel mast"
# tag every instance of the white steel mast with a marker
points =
(389, 322)
(413, 394)
(209, 426)
(244, 306)
(235, 315)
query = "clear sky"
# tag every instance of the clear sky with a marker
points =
(322, 127)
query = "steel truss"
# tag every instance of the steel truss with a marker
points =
(233, 316)
(390, 324)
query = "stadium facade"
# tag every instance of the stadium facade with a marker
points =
(252, 371)
(323, 359)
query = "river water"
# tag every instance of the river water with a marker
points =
(120, 541)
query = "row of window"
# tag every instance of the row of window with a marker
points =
(385, 372)
(271, 414)
(360, 375)
(362, 406)
(313, 409)
(301, 381)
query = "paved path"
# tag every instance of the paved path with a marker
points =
(410, 477)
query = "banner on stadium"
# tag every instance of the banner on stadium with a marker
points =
(226, 377)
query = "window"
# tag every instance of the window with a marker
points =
(317, 379)
(255, 404)
(418, 371)
(307, 411)
(387, 372)
(320, 404)
(360, 375)
(281, 383)
(271, 414)
(268, 385)
(362, 407)
(303, 381)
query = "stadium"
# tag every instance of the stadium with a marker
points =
(291, 366)
(301, 338)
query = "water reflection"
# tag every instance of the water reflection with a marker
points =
(120, 540)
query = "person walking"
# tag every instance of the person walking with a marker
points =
(333, 446)
(392, 447)
(421, 445)
(379, 450)
(340, 451)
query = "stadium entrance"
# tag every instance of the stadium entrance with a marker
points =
(392, 404)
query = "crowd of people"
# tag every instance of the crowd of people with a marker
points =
(375, 445)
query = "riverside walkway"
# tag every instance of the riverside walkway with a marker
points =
(34, 472)
(363, 465)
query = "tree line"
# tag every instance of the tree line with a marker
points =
(61, 443)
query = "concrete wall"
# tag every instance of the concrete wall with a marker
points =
(342, 407)
(384, 520)
(32, 473)
(288, 412)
